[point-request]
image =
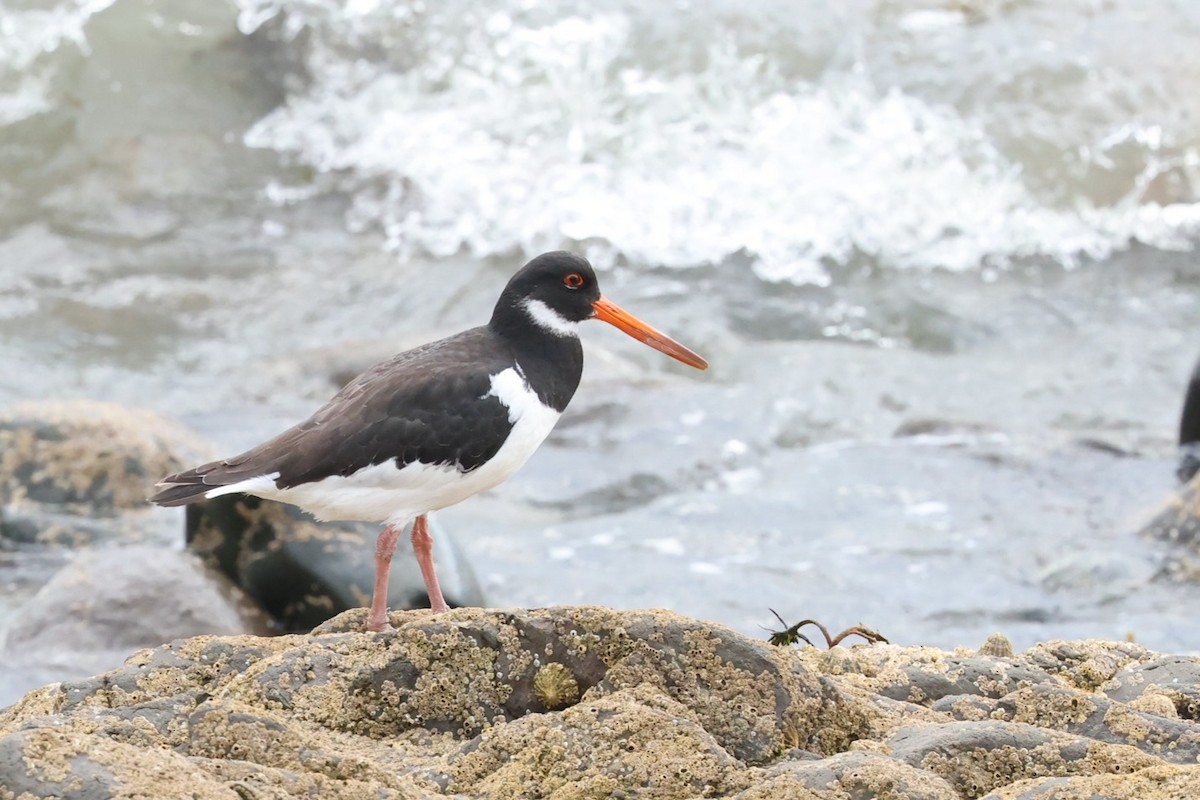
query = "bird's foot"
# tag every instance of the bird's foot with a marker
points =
(379, 623)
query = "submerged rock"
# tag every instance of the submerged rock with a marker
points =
(590, 703)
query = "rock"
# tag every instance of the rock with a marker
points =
(586, 702)
(1096, 717)
(108, 602)
(1189, 461)
(128, 598)
(1177, 522)
(977, 757)
(302, 572)
(923, 426)
(77, 473)
(854, 774)
(632, 737)
(87, 458)
(1087, 664)
(738, 689)
(26, 525)
(444, 705)
(1176, 678)
(924, 675)
(1155, 783)
(91, 208)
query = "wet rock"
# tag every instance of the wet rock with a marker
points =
(87, 458)
(108, 602)
(923, 426)
(131, 597)
(90, 208)
(1108, 575)
(302, 572)
(25, 525)
(1189, 429)
(1177, 522)
(1189, 461)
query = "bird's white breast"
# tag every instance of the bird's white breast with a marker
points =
(383, 492)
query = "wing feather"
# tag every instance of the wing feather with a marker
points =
(429, 404)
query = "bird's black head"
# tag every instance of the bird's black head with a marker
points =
(555, 291)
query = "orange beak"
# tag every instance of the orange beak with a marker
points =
(615, 315)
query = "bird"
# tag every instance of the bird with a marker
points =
(433, 425)
(1189, 429)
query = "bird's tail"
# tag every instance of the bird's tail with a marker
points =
(206, 482)
(181, 488)
(253, 470)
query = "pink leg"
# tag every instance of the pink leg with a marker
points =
(385, 546)
(422, 544)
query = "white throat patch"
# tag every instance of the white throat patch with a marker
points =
(546, 318)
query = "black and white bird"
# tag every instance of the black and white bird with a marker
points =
(433, 425)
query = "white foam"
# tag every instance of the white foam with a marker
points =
(553, 128)
(27, 35)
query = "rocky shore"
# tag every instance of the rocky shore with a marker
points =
(588, 702)
(566, 702)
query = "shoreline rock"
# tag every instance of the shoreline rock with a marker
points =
(588, 702)
(88, 458)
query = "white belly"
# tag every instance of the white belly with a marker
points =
(384, 493)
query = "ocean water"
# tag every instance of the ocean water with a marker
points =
(809, 136)
(976, 217)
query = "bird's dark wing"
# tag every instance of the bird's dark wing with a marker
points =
(429, 404)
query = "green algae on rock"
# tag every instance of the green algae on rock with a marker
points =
(580, 703)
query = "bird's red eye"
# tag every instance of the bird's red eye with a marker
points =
(573, 281)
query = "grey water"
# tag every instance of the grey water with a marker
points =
(941, 257)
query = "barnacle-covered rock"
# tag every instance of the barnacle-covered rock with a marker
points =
(587, 702)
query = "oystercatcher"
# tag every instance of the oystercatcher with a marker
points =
(433, 425)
